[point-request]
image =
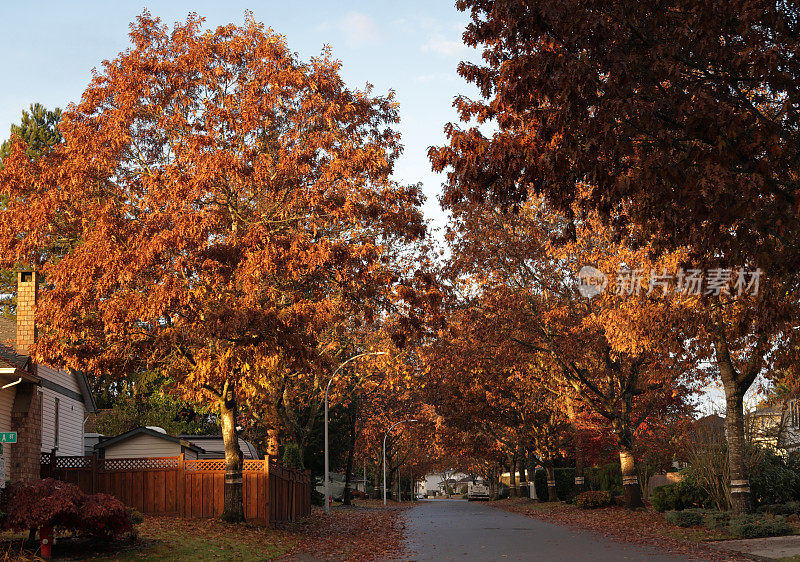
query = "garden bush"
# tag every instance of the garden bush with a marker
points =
(715, 519)
(752, 526)
(63, 506)
(686, 518)
(683, 495)
(292, 458)
(102, 515)
(590, 500)
(773, 480)
(788, 508)
(607, 477)
(565, 483)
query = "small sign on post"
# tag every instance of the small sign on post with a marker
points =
(8, 437)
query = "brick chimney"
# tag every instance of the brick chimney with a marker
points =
(27, 288)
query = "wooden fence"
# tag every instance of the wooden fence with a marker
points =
(189, 488)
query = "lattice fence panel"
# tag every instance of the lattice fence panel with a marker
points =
(73, 462)
(45, 458)
(206, 464)
(253, 465)
(140, 464)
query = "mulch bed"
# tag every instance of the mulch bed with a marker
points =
(642, 527)
(365, 531)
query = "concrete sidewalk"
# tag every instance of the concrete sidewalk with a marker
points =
(770, 548)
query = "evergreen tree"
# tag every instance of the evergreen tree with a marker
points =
(39, 130)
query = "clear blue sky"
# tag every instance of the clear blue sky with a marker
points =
(50, 48)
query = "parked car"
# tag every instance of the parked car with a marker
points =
(477, 492)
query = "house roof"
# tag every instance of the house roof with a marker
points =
(214, 446)
(9, 356)
(147, 431)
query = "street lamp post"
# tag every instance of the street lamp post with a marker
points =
(384, 457)
(327, 388)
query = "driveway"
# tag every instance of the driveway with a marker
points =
(461, 530)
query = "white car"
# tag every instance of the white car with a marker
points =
(477, 492)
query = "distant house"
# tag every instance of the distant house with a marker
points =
(214, 447)
(46, 407)
(146, 442)
(776, 427)
(155, 442)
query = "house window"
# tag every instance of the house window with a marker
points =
(55, 425)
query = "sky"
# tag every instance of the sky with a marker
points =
(413, 48)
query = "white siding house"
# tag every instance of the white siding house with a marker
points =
(146, 442)
(45, 406)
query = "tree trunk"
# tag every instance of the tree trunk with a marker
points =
(273, 443)
(736, 383)
(734, 426)
(350, 453)
(512, 477)
(552, 492)
(522, 468)
(580, 484)
(233, 507)
(630, 476)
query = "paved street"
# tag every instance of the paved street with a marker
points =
(461, 530)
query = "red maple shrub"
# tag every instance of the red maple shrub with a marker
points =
(40, 503)
(64, 506)
(102, 515)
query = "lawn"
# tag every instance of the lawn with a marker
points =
(362, 532)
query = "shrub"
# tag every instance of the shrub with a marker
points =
(716, 519)
(590, 500)
(789, 508)
(41, 503)
(102, 515)
(52, 503)
(772, 479)
(607, 477)
(753, 526)
(688, 518)
(565, 483)
(292, 458)
(317, 497)
(135, 517)
(683, 495)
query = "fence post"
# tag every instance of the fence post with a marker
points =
(180, 481)
(307, 498)
(95, 476)
(266, 497)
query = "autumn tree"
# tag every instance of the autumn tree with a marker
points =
(216, 205)
(676, 122)
(612, 350)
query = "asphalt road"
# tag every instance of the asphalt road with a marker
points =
(461, 530)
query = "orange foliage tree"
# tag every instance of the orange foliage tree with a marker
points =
(614, 350)
(676, 122)
(216, 204)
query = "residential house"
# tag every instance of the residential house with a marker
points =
(777, 426)
(155, 442)
(146, 442)
(45, 406)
